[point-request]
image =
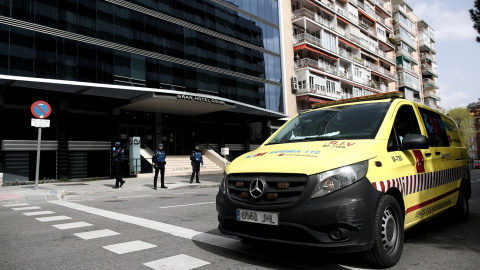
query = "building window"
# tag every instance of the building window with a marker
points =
(330, 87)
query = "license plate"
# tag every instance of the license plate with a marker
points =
(268, 218)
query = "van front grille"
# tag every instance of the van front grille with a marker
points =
(272, 189)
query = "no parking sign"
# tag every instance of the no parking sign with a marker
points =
(41, 109)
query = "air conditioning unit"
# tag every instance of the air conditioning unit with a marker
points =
(294, 81)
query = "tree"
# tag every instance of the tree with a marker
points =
(465, 121)
(475, 15)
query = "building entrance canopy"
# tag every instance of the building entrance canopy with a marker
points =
(139, 98)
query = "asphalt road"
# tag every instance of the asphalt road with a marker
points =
(178, 228)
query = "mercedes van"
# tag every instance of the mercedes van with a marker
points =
(348, 176)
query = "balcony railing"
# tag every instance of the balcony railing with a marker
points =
(428, 68)
(426, 56)
(321, 90)
(405, 53)
(313, 40)
(429, 83)
(432, 95)
(426, 32)
(303, 12)
(409, 69)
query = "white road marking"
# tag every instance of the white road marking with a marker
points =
(54, 218)
(16, 204)
(127, 247)
(134, 196)
(38, 213)
(184, 193)
(179, 262)
(72, 225)
(182, 205)
(206, 238)
(27, 208)
(96, 234)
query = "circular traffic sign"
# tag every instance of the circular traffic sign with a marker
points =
(41, 109)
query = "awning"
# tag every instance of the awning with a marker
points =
(366, 15)
(408, 59)
(386, 43)
(348, 43)
(304, 46)
(311, 99)
(340, 18)
(381, 10)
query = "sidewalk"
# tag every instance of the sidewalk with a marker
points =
(143, 183)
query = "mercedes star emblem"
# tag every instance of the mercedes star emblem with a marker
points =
(257, 187)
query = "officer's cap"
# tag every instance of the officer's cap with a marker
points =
(117, 143)
(196, 147)
(160, 144)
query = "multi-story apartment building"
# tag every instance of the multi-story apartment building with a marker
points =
(342, 49)
(174, 72)
(354, 48)
(428, 66)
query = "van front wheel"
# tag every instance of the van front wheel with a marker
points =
(388, 234)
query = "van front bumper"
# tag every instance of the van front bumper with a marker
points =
(339, 222)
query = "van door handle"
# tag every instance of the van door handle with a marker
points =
(428, 154)
(437, 153)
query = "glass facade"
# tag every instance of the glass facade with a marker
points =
(230, 49)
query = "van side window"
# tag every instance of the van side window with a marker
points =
(436, 128)
(405, 123)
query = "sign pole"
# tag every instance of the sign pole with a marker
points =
(38, 157)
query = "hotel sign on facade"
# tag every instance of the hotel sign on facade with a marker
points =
(200, 99)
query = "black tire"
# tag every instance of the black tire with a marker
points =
(462, 208)
(388, 234)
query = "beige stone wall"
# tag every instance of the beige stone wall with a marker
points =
(288, 57)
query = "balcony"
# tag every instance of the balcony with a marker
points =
(428, 45)
(321, 91)
(430, 84)
(386, 6)
(433, 95)
(427, 32)
(426, 56)
(427, 70)
(411, 42)
(368, 28)
(407, 54)
(307, 62)
(408, 69)
(303, 12)
(312, 40)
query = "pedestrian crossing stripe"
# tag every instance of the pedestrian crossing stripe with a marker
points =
(53, 218)
(38, 213)
(128, 247)
(27, 208)
(72, 225)
(96, 234)
(178, 262)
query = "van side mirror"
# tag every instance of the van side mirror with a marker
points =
(415, 141)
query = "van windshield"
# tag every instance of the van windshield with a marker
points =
(357, 121)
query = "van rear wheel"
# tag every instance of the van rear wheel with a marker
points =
(388, 234)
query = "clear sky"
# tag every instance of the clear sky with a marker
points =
(458, 54)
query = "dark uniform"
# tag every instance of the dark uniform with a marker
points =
(118, 155)
(159, 163)
(197, 160)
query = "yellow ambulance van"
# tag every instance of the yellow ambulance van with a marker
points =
(348, 176)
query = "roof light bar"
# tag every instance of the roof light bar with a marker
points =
(391, 95)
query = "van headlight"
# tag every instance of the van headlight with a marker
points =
(333, 180)
(223, 183)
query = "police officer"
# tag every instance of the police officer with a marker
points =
(159, 163)
(196, 159)
(118, 155)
